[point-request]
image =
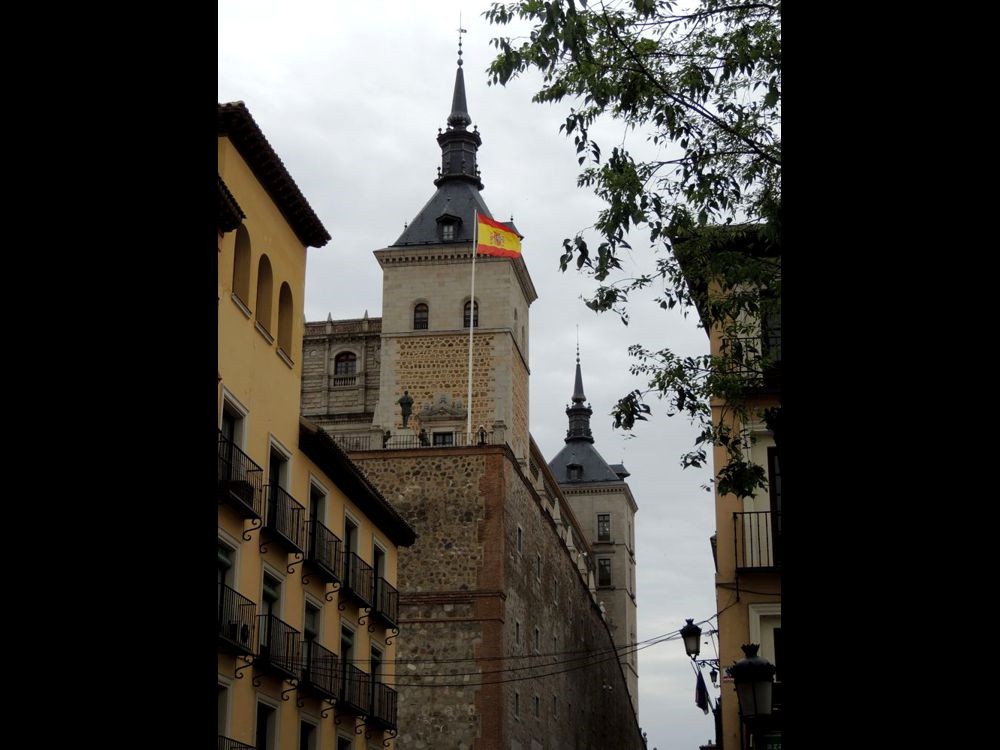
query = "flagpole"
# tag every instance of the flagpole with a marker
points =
(472, 320)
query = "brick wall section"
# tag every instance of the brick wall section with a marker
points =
(429, 365)
(463, 586)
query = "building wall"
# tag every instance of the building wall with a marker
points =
(466, 593)
(265, 385)
(326, 398)
(620, 598)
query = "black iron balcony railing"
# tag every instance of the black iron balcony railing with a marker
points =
(285, 517)
(279, 648)
(240, 479)
(355, 690)
(757, 536)
(319, 670)
(323, 551)
(756, 358)
(237, 618)
(407, 442)
(386, 606)
(359, 579)
(227, 744)
(383, 705)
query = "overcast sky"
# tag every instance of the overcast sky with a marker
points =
(351, 96)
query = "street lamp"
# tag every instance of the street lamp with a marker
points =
(691, 634)
(753, 676)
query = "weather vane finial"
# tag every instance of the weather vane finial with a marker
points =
(578, 343)
(460, 32)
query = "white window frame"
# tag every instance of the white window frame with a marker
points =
(274, 444)
(227, 682)
(314, 482)
(270, 703)
(272, 571)
(228, 397)
(754, 614)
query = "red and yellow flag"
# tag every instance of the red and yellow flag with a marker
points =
(496, 239)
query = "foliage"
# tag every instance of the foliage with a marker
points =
(703, 81)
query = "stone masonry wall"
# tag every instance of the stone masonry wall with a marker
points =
(429, 365)
(467, 592)
(584, 702)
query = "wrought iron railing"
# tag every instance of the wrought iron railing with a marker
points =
(409, 442)
(386, 602)
(359, 578)
(279, 647)
(383, 705)
(323, 550)
(319, 670)
(752, 356)
(225, 743)
(355, 689)
(285, 517)
(237, 617)
(240, 479)
(757, 536)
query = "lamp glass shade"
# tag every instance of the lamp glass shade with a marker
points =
(691, 634)
(753, 676)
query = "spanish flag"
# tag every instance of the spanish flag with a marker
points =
(493, 238)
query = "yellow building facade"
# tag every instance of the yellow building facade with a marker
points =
(307, 546)
(747, 543)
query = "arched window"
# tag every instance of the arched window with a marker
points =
(420, 317)
(241, 265)
(472, 307)
(345, 363)
(264, 293)
(285, 315)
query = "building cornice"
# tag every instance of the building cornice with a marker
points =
(445, 254)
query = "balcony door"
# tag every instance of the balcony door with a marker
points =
(774, 487)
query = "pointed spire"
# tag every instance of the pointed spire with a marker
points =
(578, 413)
(458, 144)
(459, 117)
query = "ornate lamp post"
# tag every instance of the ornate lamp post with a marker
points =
(691, 634)
(753, 677)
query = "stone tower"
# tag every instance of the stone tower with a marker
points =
(426, 311)
(603, 503)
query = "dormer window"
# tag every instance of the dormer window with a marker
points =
(448, 225)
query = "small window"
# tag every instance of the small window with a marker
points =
(444, 438)
(538, 567)
(265, 736)
(604, 571)
(307, 736)
(520, 540)
(241, 265)
(447, 230)
(555, 706)
(473, 308)
(420, 317)
(604, 527)
(286, 311)
(574, 471)
(310, 627)
(517, 632)
(538, 640)
(537, 707)
(517, 703)
(223, 708)
(345, 363)
(264, 293)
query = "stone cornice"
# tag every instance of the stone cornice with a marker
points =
(445, 254)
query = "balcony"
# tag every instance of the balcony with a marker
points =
(359, 579)
(383, 710)
(240, 479)
(279, 649)
(386, 606)
(319, 670)
(757, 537)
(756, 358)
(409, 442)
(284, 518)
(237, 617)
(323, 551)
(355, 690)
(227, 744)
